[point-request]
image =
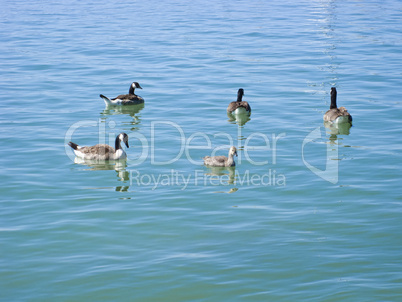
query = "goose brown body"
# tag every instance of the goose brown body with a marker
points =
(102, 152)
(239, 104)
(335, 114)
(125, 99)
(221, 161)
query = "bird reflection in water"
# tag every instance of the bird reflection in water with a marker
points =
(131, 110)
(118, 165)
(216, 176)
(334, 130)
(240, 119)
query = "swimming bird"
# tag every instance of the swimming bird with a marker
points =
(335, 114)
(221, 161)
(125, 99)
(239, 107)
(102, 151)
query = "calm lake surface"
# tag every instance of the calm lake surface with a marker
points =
(309, 213)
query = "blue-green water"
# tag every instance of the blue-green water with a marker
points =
(310, 215)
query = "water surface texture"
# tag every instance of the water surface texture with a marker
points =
(309, 213)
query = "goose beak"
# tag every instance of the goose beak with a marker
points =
(235, 153)
(126, 142)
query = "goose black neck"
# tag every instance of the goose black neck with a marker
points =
(131, 91)
(117, 143)
(240, 95)
(333, 98)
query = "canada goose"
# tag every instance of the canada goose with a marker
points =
(335, 114)
(102, 151)
(239, 106)
(221, 161)
(125, 99)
